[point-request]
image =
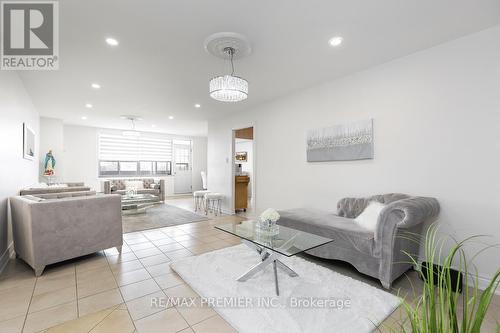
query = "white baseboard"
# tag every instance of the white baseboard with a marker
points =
(482, 282)
(4, 258)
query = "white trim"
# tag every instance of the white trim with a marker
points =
(233, 168)
(4, 258)
(482, 282)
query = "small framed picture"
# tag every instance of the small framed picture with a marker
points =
(28, 143)
(241, 156)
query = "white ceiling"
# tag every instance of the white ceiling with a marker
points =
(160, 67)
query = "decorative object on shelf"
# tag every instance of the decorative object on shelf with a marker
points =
(49, 164)
(28, 142)
(229, 46)
(267, 222)
(241, 156)
(347, 142)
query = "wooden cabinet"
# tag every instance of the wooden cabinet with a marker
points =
(241, 192)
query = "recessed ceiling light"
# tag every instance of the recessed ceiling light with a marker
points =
(96, 85)
(197, 105)
(84, 117)
(89, 106)
(170, 117)
(335, 41)
(153, 125)
(112, 41)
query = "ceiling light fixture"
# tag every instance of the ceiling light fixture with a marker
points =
(96, 85)
(89, 106)
(133, 132)
(170, 117)
(229, 88)
(197, 106)
(335, 41)
(111, 41)
(84, 117)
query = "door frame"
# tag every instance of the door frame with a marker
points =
(174, 171)
(233, 165)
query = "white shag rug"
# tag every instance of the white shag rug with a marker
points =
(213, 276)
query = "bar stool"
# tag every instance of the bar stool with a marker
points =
(213, 203)
(199, 199)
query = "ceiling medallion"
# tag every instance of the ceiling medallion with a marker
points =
(228, 88)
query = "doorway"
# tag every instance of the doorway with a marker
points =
(244, 172)
(182, 166)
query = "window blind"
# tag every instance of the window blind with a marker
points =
(119, 147)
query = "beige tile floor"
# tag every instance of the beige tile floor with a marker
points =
(108, 292)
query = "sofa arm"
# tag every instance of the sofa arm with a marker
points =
(22, 227)
(163, 189)
(403, 214)
(107, 187)
(411, 211)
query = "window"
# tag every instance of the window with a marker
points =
(146, 168)
(121, 155)
(163, 168)
(108, 168)
(182, 154)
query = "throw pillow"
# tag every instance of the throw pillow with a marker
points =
(368, 219)
(134, 184)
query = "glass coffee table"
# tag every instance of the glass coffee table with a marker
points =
(287, 242)
(138, 203)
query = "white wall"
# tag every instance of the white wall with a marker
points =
(245, 145)
(436, 116)
(80, 157)
(51, 138)
(16, 172)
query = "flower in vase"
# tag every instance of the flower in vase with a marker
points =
(270, 215)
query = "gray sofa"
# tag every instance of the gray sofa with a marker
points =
(117, 186)
(378, 254)
(53, 227)
(70, 187)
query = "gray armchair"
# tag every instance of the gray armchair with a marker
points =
(54, 227)
(379, 254)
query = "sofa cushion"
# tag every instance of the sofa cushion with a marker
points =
(134, 185)
(147, 182)
(33, 198)
(66, 194)
(119, 184)
(344, 232)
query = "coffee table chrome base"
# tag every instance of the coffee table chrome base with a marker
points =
(267, 259)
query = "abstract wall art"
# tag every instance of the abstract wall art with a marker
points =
(346, 142)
